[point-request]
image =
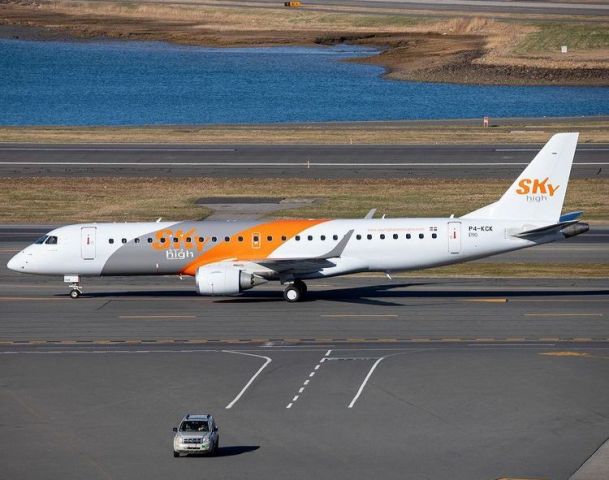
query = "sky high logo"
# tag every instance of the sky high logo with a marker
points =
(536, 190)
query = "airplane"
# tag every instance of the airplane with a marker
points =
(227, 257)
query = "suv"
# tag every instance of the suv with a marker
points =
(196, 434)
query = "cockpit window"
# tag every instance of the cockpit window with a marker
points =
(41, 239)
(51, 241)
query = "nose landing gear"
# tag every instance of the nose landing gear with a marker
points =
(75, 292)
(75, 288)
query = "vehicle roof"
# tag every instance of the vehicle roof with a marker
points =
(197, 416)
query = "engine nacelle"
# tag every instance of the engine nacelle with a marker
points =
(224, 279)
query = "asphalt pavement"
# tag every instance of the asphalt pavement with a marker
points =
(274, 161)
(423, 378)
(411, 378)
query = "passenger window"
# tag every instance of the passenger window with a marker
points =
(162, 239)
(421, 235)
(297, 237)
(137, 240)
(334, 237)
(214, 239)
(149, 240)
(240, 239)
(283, 238)
(408, 236)
(124, 240)
(175, 240)
(269, 238)
(256, 238)
(358, 236)
(188, 240)
(323, 237)
(227, 239)
(395, 236)
(310, 237)
(51, 241)
(369, 237)
(110, 241)
(201, 239)
(434, 235)
(382, 236)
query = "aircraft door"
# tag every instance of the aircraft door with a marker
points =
(87, 242)
(454, 237)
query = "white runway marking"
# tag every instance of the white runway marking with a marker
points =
(251, 380)
(361, 387)
(306, 382)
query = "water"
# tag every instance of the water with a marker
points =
(134, 83)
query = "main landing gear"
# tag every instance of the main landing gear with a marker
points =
(75, 288)
(295, 291)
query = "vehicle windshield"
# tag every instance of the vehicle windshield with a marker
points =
(41, 239)
(194, 426)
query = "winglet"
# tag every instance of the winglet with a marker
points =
(370, 214)
(338, 249)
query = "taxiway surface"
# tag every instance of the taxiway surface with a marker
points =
(415, 378)
(272, 161)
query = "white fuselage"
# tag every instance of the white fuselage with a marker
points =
(375, 245)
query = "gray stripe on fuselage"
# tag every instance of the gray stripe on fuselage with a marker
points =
(142, 259)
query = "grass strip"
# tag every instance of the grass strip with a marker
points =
(76, 199)
(402, 133)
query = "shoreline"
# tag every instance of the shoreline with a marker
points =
(453, 50)
(402, 132)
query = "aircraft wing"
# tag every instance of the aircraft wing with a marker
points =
(306, 264)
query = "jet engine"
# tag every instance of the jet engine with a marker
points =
(224, 279)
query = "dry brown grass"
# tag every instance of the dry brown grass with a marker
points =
(72, 200)
(338, 133)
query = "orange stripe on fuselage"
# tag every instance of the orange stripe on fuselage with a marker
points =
(246, 250)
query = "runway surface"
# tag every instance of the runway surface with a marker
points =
(498, 6)
(588, 8)
(414, 378)
(272, 161)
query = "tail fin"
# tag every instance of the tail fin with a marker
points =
(539, 192)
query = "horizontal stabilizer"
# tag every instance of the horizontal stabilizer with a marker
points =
(567, 217)
(568, 228)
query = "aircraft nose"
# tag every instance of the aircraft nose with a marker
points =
(16, 263)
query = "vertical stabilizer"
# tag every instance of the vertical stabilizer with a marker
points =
(539, 192)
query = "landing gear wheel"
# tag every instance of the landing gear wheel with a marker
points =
(75, 293)
(292, 293)
(176, 454)
(301, 285)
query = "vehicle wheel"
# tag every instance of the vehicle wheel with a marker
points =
(292, 293)
(176, 454)
(74, 293)
(301, 285)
